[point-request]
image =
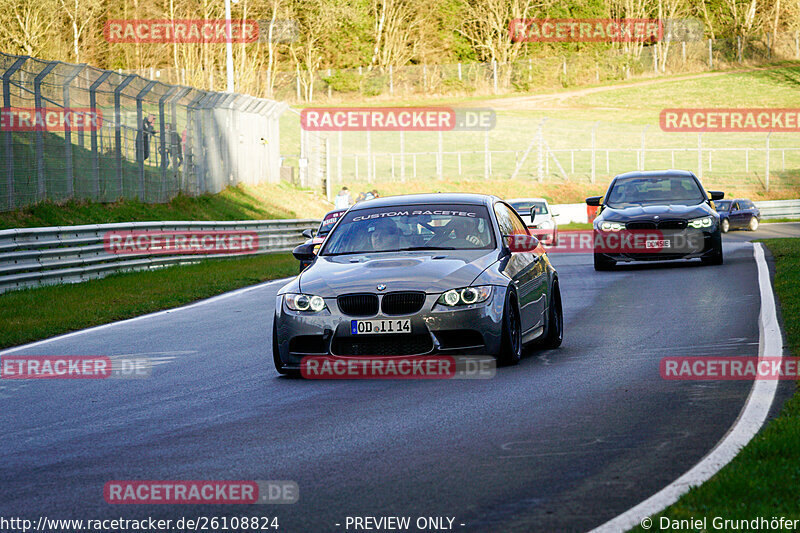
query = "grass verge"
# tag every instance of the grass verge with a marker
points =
(266, 201)
(762, 480)
(42, 312)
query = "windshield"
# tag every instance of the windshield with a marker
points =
(722, 205)
(524, 208)
(328, 222)
(413, 227)
(654, 190)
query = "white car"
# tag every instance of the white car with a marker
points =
(543, 225)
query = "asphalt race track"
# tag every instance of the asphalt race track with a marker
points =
(562, 442)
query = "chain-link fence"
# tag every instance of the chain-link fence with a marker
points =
(556, 150)
(539, 72)
(148, 140)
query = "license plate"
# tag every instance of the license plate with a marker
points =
(372, 327)
(657, 244)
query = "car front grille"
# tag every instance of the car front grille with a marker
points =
(402, 303)
(663, 224)
(358, 304)
(383, 345)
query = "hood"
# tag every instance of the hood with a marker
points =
(664, 212)
(431, 272)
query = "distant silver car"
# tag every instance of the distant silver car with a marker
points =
(544, 225)
(418, 275)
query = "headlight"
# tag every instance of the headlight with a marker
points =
(304, 302)
(465, 296)
(703, 222)
(547, 224)
(612, 226)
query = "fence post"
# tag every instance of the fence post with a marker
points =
(9, 140)
(41, 188)
(391, 80)
(769, 46)
(164, 140)
(766, 174)
(93, 134)
(118, 131)
(70, 176)
(459, 71)
(683, 52)
(700, 154)
(494, 75)
(329, 83)
(141, 134)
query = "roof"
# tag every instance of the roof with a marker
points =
(525, 200)
(653, 173)
(429, 198)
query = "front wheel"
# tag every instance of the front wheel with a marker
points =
(725, 225)
(276, 356)
(555, 321)
(511, 345)
(753, 224)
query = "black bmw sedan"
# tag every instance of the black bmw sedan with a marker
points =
(656, 216)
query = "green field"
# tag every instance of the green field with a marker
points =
(623, 116)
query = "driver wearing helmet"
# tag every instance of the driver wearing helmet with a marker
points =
(384, 235)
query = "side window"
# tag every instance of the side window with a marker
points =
(735, 206)
(503, 219)
(516, 225)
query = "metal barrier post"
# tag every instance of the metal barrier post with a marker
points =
(95, 152)
(70, 176)
(117, 131)
(9, 140)
(144, 136)
(41, 186)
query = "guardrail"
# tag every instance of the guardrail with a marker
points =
(68, 254)
(779, 209)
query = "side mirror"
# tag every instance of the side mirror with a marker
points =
(533, 214)
(716, 195)
(519, 242)
(304, 252)
(308, 233)
(594, 200)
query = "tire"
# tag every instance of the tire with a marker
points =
(715, 258)
(276, 357)
(511, 345)
(603, 263)
(753, 224)
(555, 320)
(725, 225)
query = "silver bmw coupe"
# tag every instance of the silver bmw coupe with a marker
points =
(420, 275)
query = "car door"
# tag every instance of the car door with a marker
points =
(526, 270)
(736, 216)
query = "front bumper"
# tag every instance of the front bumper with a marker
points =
(686, 244)
(435, 329)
